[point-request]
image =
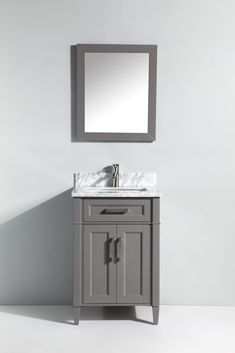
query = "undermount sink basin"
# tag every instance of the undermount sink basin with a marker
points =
(110, 189)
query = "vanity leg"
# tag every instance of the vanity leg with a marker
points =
(76, 314)
(155, 314)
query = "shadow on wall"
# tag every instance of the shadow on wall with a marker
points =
(36, 254)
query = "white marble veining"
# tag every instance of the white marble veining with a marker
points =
(91, 184)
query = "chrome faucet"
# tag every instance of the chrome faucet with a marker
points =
(115, 175)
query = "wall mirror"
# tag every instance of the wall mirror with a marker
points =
(114, 92)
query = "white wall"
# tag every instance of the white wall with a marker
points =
(193, 154)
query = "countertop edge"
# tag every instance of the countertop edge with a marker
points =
(117, 195)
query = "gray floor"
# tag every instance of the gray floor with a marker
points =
(183, 329)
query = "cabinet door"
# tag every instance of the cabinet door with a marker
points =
(99, 269)
(133, 264)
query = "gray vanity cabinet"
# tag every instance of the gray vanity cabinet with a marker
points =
(116, 253)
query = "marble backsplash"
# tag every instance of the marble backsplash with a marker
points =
(98, 179)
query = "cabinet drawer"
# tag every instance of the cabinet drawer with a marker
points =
(98, 210)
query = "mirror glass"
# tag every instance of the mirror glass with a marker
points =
(113, 92)
(116, 92)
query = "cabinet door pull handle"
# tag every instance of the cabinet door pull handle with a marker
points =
(111, 249)
(118, 245)
(115, 211)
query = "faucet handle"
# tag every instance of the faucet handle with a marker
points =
(115, 166)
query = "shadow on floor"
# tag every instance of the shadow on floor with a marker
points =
(64, 313)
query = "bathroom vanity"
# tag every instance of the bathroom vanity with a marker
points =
(116, 241)
(116, 216)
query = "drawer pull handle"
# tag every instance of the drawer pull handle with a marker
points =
(113, 211)
(111, 249)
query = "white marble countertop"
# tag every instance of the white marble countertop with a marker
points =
(98, 185)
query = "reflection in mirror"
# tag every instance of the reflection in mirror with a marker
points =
(116, 92)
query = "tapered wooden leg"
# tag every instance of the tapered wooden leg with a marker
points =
(76, 314)
(155, 314)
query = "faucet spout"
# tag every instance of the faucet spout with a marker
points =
(115, 175)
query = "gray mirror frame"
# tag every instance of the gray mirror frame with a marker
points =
(78, 99)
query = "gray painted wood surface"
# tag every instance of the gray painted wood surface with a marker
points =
(77, 262)
(76, 314)
(116, 210)
(77, 265)
(155, 251)
(155, 314)
(133, 264)
(99, 271)
(116, 262)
